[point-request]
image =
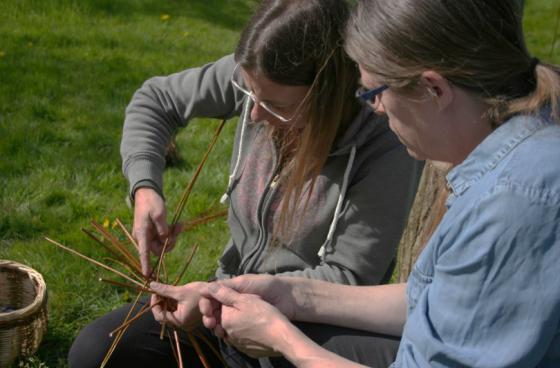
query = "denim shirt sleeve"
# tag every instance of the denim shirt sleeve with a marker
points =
(486, 291)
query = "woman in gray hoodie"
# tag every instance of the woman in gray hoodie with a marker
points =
(319, 185)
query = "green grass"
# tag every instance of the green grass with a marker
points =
(67, 71)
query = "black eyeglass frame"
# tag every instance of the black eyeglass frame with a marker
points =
(368, 95)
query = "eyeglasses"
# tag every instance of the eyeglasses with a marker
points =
(262, 104)
(369, 95)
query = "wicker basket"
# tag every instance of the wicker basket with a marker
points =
(23, 311)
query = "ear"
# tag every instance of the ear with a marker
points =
(439, 88)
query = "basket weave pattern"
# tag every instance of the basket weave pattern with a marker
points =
(23, 311)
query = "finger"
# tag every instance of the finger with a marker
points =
(168, 291)
(160, 222)
(157, 246)
(220, 293)
(144, 254)
(172, 319)
(156, 308)
(220, 332)
(177, 229)
(243, 284)
(208, 306)
(209, 322)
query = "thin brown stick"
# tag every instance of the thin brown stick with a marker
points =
(178, 348)
(173, 347)
(187, 226)
(124, 262)
(105, 246)
(124, 265)
(94, 261)
(198, 350)
(162, 331)
(118, 245)
(187, 192)
(187, 264)
(122, 284)
(127, 233)
(135, 318)
(164, 270)
(161, 259)
(121, 333)
(212, 347)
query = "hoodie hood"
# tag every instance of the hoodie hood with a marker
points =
(365, 125)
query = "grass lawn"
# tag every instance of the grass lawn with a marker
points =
(67, 71)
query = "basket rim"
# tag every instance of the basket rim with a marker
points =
(40, 289)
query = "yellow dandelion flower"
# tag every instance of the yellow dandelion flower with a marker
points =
(114, 225)
(165, 17)
(106, 223)
(186, 34)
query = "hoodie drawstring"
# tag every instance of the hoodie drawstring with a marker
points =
(338, 208)
(225, 196)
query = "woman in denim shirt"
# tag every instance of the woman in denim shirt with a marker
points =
(458, 86)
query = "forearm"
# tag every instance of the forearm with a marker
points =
(380, 309)
(163, 104)
(324, 272)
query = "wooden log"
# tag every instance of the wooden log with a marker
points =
(427, 210)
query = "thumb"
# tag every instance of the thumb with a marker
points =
(223, 294)
(163, 289)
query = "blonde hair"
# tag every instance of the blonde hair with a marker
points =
(477, 45)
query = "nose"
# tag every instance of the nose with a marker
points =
(258, 113)
(379, 108)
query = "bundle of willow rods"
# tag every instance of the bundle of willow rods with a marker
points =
(124, 256)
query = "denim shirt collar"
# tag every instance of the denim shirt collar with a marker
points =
(488, 154)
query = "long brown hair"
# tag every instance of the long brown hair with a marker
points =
(477, 45)
(298, 43)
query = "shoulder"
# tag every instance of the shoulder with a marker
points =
(533, 167)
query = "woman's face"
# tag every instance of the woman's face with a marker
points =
(283, 100)
(413, 119)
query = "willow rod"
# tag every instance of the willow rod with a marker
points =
(91, 260)
(188, 190)
(135, 318)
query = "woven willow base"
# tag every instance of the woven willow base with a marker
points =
(23, 311)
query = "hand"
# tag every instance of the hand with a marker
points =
(150, 227)
(186, 316)
(275, 290)
(247, 322)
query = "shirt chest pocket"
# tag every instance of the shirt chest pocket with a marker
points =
(416, 285)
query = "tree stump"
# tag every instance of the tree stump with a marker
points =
(427, 210)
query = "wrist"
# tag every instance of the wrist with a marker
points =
(145, 184)
(286, 337)
(301, 351)
(305, 297)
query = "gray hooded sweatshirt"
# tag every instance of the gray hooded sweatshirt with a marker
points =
(350, 229)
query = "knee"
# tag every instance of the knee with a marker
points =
(88, 349)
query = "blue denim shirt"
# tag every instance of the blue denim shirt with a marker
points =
(485, 292)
